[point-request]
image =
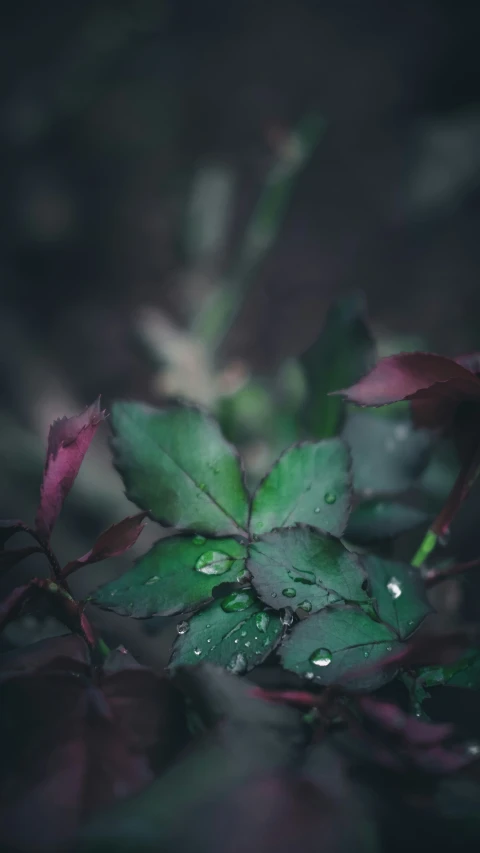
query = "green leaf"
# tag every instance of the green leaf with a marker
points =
(339, 639)
(375, 520)
(310, 483)
(388, 455)
(177, 574)
(237, 639)
(301, 567)
(400, 594)
(341, 355)
(176, 464)
(462, 673)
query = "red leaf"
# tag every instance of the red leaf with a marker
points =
(391, 718)
(111, 543)
(68, 442)
(57, 653)
(414, 376)
(80, 746)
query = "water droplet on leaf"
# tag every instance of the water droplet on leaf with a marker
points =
(237, 664)
(287, 617)
(261, 621)
(214, 563)
(289, 592)
(306, 605)
(199, 540)
(197, 652)
(243, 576)
(330, 497)
(237, 601)
(321, 657)
(154, 579)
(309, 675)
(182, 627)
(366, 654)
(317, 509)
(243, 633)
(394, 587)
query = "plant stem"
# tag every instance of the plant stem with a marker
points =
(461, 489)
(435, 576)
(426, 547)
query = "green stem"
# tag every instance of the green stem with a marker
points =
(218, 315)
(426, 548)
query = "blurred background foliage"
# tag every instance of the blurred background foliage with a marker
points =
(188, 186)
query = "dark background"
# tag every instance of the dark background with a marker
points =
(108, 112)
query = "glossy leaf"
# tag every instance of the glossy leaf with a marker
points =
(111, 543)
(301, 567)
(374, 520)
(68, 442)
(168, 580)
(311, 484)
(328, 645)
(177, 466)
(387, 455)
(236, 639)
(343, 352)
(400, 594)
(414, 375)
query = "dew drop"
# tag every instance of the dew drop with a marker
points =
(330, 497)
(394, 587)
(197, 652)
(321, 657)
(237, 664)
(247, 644)
(199, 540)
(309, 675)
(261, 621)
(366, 654)
(287, 617)
(151, 580)
(317, 510)
(182, 627)
(306, 605)
(243, 576)
(389, 648)
(209, 640)
(214, 563)
(289, 592)
(202, 486)
(243, 633)
(237, 601)
(274, 594)
(473, 748)
(236, 641)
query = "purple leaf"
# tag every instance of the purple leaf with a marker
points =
(391, 718)
(414, 376)
(68, 442)
(82, 745)
(111, 543)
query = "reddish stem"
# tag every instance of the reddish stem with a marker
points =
(434, 576)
